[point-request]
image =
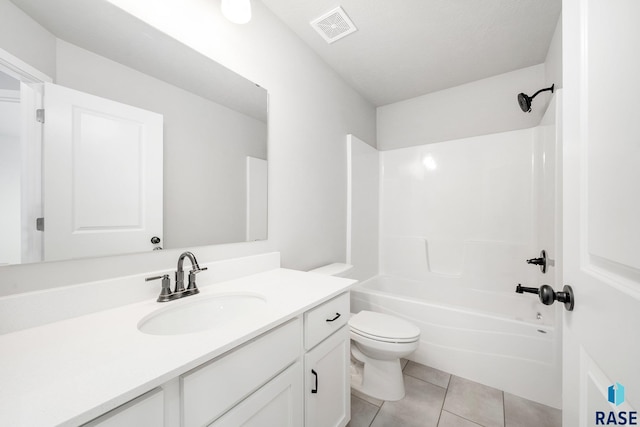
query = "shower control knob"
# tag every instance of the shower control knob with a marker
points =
(542, 261)
(548, 296)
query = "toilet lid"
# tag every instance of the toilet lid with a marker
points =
(383, 327)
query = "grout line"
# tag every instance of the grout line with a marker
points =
(425, 381)
(461, 417)
(504, 411)
(377, 412)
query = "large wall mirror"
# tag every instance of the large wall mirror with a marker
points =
(146, 144)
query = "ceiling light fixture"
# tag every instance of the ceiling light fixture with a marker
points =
(237, 11)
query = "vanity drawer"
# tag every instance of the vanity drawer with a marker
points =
(325, 319)
(210, 390)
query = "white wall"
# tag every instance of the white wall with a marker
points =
(553, 61)
(202, 188)
(311, 110)
(25, 38)
(479, 108)
(363, 206)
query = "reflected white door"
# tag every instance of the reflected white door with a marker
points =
(601, 211)
(102, 176)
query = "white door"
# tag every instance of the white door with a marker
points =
(31, 179)
(102, 176)
(601, 119)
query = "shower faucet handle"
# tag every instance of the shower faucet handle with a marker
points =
(548, 296)
(541, 261)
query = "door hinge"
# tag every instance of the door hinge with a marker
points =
(40, 224)
(40, 115)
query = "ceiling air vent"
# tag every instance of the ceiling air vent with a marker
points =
(333, 25)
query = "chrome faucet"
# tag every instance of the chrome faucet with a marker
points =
(179, 290)
(192, 289)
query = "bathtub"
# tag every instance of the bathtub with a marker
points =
(504, 340)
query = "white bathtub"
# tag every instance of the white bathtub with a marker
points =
(507, 341)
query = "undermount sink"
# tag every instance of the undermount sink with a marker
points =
(201, 313)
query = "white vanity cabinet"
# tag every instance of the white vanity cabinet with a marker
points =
(326, 363)
(277, 403)
(244, 379)
(294, 375)
(146, 410)
(250, 370)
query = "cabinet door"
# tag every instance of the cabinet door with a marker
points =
(212, 389)
(146, 410)
(327, 382)
(277, 403)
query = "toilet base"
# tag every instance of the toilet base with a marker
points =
(380, 379)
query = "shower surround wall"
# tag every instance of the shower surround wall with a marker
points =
(458, 219)
(460, 209)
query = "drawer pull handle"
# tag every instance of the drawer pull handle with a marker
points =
(315, 389)
(335, 318)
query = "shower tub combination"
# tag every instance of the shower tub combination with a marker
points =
(499, 339)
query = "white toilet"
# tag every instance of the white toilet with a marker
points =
(378, 341)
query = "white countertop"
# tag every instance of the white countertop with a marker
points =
(71, 371)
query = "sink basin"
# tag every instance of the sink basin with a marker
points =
(201, 313)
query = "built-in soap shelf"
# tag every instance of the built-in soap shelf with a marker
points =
(461, 262)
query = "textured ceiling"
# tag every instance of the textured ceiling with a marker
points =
(408, 48)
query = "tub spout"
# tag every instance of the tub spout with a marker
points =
(522, 289)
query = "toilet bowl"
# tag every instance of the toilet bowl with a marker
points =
(378, 341)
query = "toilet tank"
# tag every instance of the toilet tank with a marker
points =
(336, 269)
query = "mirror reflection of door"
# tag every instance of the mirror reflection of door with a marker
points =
(102, 176)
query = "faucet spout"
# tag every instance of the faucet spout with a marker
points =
(195, 268)
(192, 258)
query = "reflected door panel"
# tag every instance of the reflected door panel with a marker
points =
(102, 176)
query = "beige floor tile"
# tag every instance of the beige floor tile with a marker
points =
(426, 373)
(475, 402)
(367, 398)
(447, 419)
(521, 412)
(420, 407)
(362, 413)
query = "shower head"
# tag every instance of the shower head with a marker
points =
(525, 100)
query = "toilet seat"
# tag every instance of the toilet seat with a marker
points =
(382, 327)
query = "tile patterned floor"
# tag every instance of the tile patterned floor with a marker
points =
(435, 398)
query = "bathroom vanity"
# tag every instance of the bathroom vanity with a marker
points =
(284, 362)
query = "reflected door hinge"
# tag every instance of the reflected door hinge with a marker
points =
(40, 224)
(40, 115)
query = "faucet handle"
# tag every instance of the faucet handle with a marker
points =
(191, 287)
(165, 293)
